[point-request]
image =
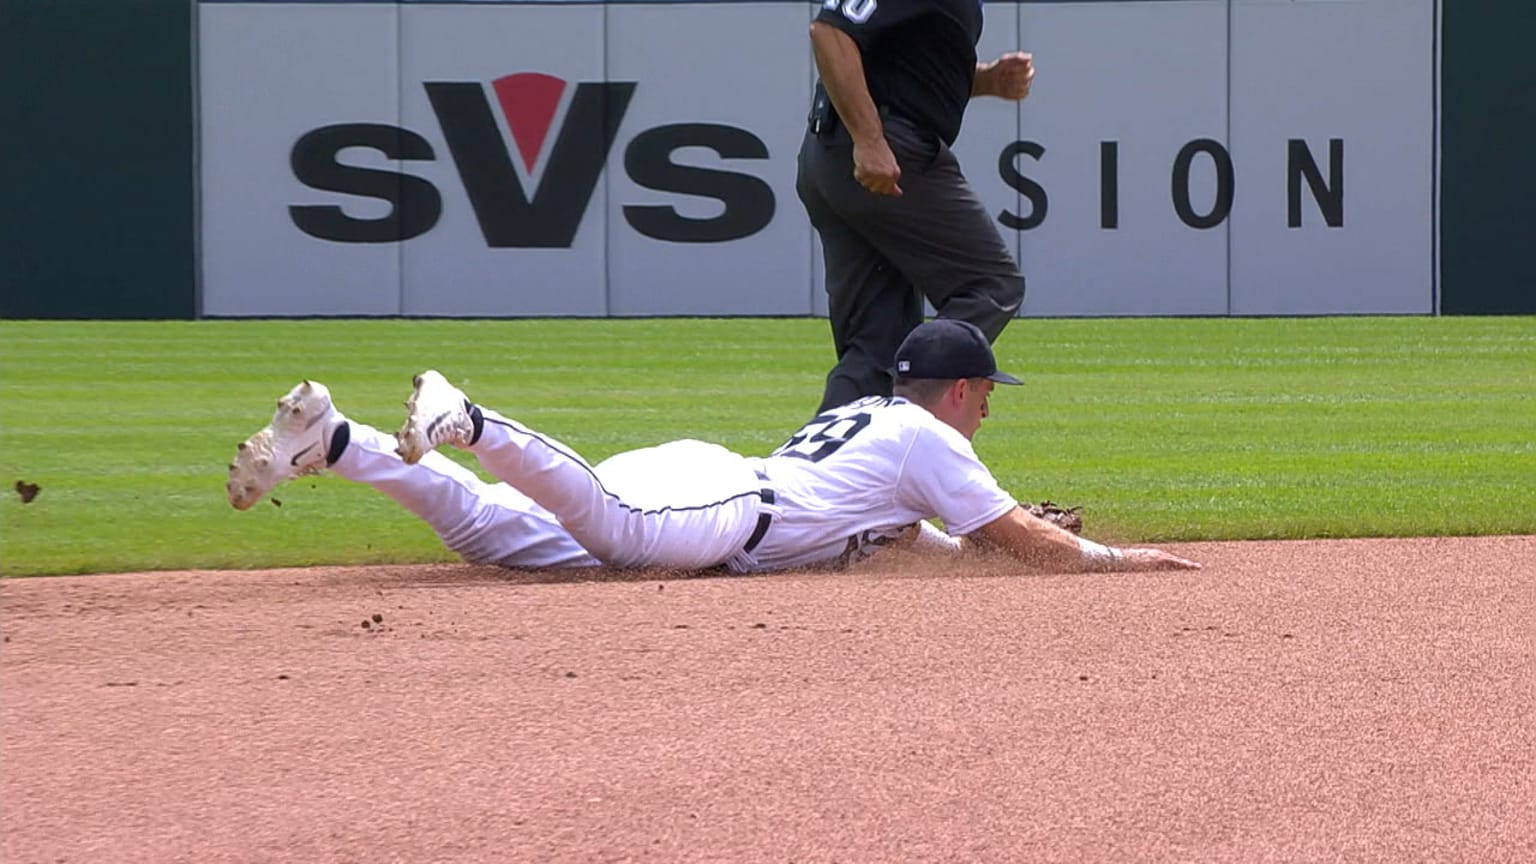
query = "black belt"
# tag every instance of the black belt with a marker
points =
(764, 519)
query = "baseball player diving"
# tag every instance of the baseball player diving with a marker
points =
(857, 478)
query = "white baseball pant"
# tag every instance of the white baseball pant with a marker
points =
(484, 523)
(686, 504)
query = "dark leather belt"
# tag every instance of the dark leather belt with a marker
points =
(764, 519)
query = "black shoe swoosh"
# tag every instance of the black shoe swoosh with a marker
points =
(294, 462)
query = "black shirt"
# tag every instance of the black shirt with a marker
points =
(919, 55)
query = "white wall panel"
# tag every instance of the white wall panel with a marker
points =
(269, 74)
(818, 254)
(682, 79)
(1151, 77)
(1360, 72)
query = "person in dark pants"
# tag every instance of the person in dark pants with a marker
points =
(897, 219)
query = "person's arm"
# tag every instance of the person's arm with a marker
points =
(841, 68)
(1008, 77)
(1040, 544)
(926, 538)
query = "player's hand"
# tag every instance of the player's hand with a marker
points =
(875, 168)
(1153, 559)
(1009, 76)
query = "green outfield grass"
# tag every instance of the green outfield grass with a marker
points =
(1164, 429)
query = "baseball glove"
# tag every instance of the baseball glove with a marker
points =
(1070, 518)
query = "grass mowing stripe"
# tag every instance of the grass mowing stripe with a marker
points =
(1163, 428)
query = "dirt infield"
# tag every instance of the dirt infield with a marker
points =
(1362, 701)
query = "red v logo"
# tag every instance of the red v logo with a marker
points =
(509, 216)
(528, 101)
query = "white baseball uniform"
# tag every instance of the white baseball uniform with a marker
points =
(861, 474)
(851, 480)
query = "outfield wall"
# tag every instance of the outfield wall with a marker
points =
(97, 196)
(1203, 157)
(1488, 176)
(1246, 157)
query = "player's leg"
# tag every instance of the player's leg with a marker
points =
(871, 305)
(967, 271)
(941, 236)
(678, 509)
(484, 523)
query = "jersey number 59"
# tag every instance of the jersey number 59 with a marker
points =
(822, 436)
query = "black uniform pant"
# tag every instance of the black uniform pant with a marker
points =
(885, 254)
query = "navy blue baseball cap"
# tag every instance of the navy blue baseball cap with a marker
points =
(950, 349)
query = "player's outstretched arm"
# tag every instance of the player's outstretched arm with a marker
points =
(1038, 543)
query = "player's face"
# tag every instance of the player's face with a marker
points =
(973, 405)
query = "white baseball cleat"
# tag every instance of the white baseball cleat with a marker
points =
(292, 445)
(438, 413)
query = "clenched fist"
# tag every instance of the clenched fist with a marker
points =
(1008, 77)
